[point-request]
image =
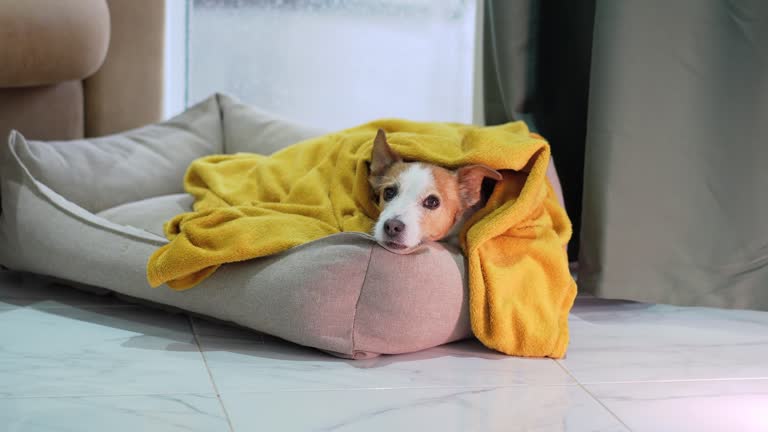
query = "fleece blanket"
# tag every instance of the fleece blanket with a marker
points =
(249, 206)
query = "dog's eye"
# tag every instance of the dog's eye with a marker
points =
(431, 202)
(389, 193)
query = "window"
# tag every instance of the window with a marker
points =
(335, 63)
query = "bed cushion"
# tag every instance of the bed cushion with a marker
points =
(91, 211)
(149, 214)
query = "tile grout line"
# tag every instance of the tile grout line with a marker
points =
(595, 398)
(576, 383)
(97, 395)
(296, 390)
(210, 374)
(394, 389)
(671, 381)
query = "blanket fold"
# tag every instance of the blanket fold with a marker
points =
(249, 206)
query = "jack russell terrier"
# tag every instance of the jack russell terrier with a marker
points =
(421, 202)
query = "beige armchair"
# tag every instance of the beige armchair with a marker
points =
(75, 68)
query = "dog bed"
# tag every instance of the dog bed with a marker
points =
(91, 211)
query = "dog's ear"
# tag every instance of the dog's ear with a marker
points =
(383, 156)
(471, 182)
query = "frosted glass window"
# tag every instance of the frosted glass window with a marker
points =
(334, 64)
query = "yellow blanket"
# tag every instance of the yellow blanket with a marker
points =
(248, 206)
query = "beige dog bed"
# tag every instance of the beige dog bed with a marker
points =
(91, 211)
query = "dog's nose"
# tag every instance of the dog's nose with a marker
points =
(393, 227)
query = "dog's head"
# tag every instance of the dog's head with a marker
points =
(420, 202)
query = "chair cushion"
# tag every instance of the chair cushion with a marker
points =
(47, 42)
(93, 212)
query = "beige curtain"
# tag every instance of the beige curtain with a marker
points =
(657, 112)
(675, 203)
(536, 68)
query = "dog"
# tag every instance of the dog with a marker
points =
(419, 201)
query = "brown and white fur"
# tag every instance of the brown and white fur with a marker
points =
(421, 202)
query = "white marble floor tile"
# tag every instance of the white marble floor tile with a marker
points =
(683, 406)
(623, 341)
(25, 289)
(217, 332)
(554, 408)
(187, 412)
(237, 363)
(95, 351)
